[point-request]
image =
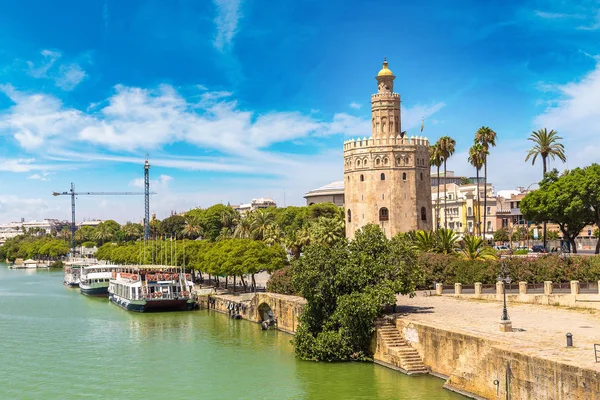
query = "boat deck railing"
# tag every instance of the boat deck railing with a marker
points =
(164, 296)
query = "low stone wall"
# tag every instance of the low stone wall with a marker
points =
(488, 369)
(572, 299)
(252, 307)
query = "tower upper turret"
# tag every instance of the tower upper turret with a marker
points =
(385, 105)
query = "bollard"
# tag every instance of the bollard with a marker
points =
(499, 287)
(574, 287)
(547, 287)
(439, 289)
(569, 339)
(478, 288)
(458, 288)
(522, 287)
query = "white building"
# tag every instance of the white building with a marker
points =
(13, 229)
(255, 204)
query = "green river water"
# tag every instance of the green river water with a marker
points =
(59, 344)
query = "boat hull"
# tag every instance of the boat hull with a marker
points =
(94, 291)
(153, 305)
(71, 284)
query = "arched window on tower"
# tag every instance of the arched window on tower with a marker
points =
(423, 214)
(404, 176)
(383, 214)
(421, 176)
(362, 178)
(383, 177)
(349, 216)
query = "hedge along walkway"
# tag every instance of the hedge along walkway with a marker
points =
(544, 327)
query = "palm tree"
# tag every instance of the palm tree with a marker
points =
(477, 154)
(546, 144)
(446, 145)
(424, 241)
(445, 241)
(487, 138)
(103, 233)
(260, 221)
(273, 235)
(436, 160)
(327, 231)
(243, 228)
(473, 248)
(192, 227)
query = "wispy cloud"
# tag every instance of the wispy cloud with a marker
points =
(226, 21)
(557, 15)
(41, 177)
(155, 184)
(355, 105)
(65, 76)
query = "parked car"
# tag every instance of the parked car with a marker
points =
(538, 248)
(502, 247)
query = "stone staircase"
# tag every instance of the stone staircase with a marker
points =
(398, 351)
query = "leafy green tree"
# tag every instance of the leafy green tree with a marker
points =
(424, 241)
(85, 234)
(132, 231)
(172, 226)
(243, 229)
(587, 181)
(436, 159)
(477, 155)
(473, 248)
(558, 200)
(487, 138)
(192, 228)
(501, 235)
(446, 147)
(346, 286)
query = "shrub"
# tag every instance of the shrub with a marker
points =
(281, 282)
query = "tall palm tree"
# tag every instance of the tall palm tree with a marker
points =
(243, 228)
(447, 146)
(260, 221)
(436, 160)
(546, 144)
(477, 154)
(473, 248)
(327, 231)
(192, 227)
(103, 233)
(487, 138)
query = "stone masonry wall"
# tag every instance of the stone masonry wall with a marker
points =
(486, 368)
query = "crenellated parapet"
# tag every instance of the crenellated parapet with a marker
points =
(417, 141)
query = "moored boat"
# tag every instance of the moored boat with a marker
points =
(151, 288)
(95, 280)
(72, 274)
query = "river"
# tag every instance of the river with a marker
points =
(59, 344)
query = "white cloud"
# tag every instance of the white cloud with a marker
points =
(226, 21)
(69, 76)
(65, 76)
(412, 116)
(13, 207)
(42, 177)
(556, 15)
(355, 105)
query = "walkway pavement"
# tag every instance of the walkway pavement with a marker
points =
(537, 330)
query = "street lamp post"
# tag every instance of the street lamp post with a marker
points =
(505, 323)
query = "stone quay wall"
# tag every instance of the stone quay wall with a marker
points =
(252, 307)
(483, 368)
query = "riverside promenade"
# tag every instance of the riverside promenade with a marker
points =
(460, 339)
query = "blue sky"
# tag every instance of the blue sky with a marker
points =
(238, 99)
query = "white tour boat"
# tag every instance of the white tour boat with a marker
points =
(72, 274)
(95, 279)
(151, 288)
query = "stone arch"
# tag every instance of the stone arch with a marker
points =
(365, 162)
(382, 176)
(358, 163)
(377, 161)
(404, 176)
(362, 178)
(386, 161)
(383, 124)
(423, 214)
(265, 312)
